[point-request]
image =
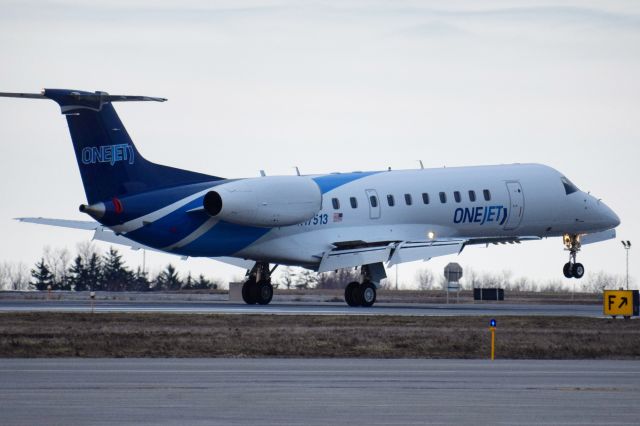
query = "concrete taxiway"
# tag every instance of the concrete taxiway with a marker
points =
(303, 308)
(318, 391)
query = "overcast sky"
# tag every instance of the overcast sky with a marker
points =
(329, 86)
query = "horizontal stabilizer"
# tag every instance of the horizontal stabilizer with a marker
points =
(23, 95)
(100, 97)
(64, 223)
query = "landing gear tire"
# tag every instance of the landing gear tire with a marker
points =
(572, 269)
(577, 270)
(250, 292)
(350, 292)
(264, 292)
(567, 270)
(367, 294)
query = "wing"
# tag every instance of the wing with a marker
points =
(598, 236)
(346, 254)
(102, 233)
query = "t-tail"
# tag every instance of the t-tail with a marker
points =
(109, 163)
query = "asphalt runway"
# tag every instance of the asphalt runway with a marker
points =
(317, 392)
(303, 308)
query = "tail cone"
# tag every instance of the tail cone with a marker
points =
(96, 210)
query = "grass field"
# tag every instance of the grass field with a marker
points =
(174, 335)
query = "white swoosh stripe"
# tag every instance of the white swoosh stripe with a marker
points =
(138, 223)
(202, 229)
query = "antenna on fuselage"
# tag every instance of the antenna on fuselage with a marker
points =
(421, 165)
(297, 171)
(262, 173)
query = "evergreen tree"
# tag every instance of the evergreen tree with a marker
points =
(94, 272)
(140, 281)
(168, 279)
(115, 275)
(189, 283)
(42, 275)
(202, 283)
(78, 275)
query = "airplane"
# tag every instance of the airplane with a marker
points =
(325, 222)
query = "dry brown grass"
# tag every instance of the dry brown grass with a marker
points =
(177, 335)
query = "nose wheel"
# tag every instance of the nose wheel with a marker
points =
(572, 269)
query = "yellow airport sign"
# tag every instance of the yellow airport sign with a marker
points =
(620, 302)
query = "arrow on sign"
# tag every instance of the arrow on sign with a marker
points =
(623, 302)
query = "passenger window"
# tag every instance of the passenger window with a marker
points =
(373, 200)
(354, 202)
(472, 196)
(487, 194)
(407, 199)
(336, 203)
(443, 197)
(456, 196)
(390, 200)
(425, 198)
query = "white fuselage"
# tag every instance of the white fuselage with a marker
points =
(523, 200)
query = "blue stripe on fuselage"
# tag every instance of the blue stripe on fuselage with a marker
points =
(224, 239)
(171, 228)
(332, 181)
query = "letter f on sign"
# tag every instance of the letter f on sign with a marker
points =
(610, 300)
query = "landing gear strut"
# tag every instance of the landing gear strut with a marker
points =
(363, 293)
(572, 269)
(257, 288)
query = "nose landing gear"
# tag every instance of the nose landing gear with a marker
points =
(572, 269)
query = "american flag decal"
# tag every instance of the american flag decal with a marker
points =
(337, 217)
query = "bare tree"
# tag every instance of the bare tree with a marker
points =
(337, 279)
(505, 279)
(20, 276)
(523, 284)
(471, 279)
(385, 284)
(306, 279)
(599, 281)
(5, 276)
(14, 276)
(553, 286)
(58, 262)
(287, 277)
(425, 279)
(86, 249)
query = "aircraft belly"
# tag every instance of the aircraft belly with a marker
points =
(291, 250)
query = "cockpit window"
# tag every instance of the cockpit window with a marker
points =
(569, 187)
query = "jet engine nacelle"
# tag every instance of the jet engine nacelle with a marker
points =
(265, 201)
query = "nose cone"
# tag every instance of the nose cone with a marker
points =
(609, 216)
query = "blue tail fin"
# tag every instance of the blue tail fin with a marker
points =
(110, 164)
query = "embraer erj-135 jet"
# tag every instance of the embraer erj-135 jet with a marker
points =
(319, 222)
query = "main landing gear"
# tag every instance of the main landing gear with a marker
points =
(572, 269)
(363, 293)
(257, 288)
